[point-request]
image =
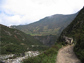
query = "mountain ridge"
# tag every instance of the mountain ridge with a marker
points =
(46, 25)
(47, 28)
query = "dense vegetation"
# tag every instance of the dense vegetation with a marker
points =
(76, 31)
(49, 25)
(15, 41)
(49, 56)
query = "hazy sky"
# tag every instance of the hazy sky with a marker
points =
(16, 12)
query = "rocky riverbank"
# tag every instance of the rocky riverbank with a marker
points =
(5, 58)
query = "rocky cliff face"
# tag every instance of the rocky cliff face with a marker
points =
(68, 40)
(47, 40)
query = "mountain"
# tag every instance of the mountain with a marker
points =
(15, 41)
(76, 31)
(49, 25)
(47, 29)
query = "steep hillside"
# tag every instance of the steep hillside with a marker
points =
(48, 40)
(49, 25)
(76, 31)
(15, 41)
(47, 29)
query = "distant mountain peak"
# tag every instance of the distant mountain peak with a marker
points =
(47, 24)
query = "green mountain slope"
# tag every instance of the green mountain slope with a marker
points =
(15, 41)
(49, 25)
(76, 31)
(47, 29)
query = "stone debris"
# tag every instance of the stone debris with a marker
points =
(20, 59)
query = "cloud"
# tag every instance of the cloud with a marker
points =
(13, 19)
(15, 12)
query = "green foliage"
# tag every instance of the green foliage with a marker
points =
(49, 56)
(15, 41)
(38, 48)
(12, 49)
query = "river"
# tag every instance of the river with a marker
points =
(19, 59)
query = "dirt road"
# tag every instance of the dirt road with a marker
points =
(66, 55)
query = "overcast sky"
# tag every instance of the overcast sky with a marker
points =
(16, 12)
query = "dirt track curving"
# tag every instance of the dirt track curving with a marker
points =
(66, 55)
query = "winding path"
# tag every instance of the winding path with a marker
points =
(66, 55)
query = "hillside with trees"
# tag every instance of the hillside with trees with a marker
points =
(15, 41)
(76, 31)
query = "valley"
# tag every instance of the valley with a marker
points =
(45, 41)
(48, 29)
